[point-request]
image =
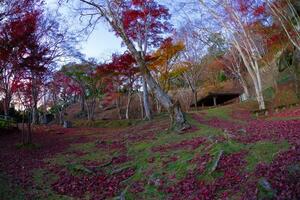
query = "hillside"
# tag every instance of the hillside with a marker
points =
(228, 154)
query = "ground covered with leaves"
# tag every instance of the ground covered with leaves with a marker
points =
(228, 154)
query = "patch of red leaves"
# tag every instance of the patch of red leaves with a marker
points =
(121, 159)
(191, 144)
(18, 163)
(241, 115)
(114, 145)
(257, 130)
(232, 166)
(101, 186)
(191, 188)
(283, 174)
(278, 173)
(170, 160)
(294, 112)
(136, 187)
(191, 130)
(201, 162)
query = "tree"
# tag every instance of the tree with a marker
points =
(286, 15)
(190, 57)
(123, 72)
(164, 63)
(16, 27)
(237, 18)
(95, 88)
(233, 64)
(77, 73)
(91, 86)
(62, 89)
(140, 25)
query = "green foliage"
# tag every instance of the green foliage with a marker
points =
(84, 74)
(222, 77)
(269, 93)
(264, 151)
(4, 124)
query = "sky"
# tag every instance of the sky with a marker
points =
(100, 44)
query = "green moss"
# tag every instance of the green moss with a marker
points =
(83, 147)
(228, 147)
(29, 146)
(106, 123)
(152, 193)
(264, 151)
(9, 191)
(269, 93)
(61, 159)
(181, 166)
(96, 156)
(78, 169)
(139, 147)
(220, 112)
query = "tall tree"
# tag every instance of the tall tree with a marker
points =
(286, 14)
(236, 18)
(16, 28)
(62, 89)
(141, 25)
(124, 73)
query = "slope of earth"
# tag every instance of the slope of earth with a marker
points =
(227, 154)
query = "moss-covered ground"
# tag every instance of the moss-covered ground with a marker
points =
(224, 155)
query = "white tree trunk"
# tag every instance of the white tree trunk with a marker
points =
(147, 109)
(128, 104)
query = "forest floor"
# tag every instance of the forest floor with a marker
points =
(228, 154)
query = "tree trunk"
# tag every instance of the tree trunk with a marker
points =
(296, 63)
(82, 103)
(35, 115)
(146, 101)
(245, 88)
(23, 128)
(118, 107)
(141, 105)
(178, 121)
(6, 104)
(29, 131)
(259, 97)
(128, 104)
(34, 93)
(158, 106)
(61, 118)
(195, 99)
(90, 107)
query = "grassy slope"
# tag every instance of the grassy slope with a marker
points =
(141, 152)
